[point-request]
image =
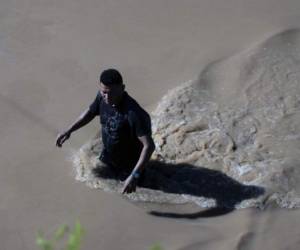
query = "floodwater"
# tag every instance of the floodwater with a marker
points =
(51, 55)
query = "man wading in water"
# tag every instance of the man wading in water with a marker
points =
(126, 129)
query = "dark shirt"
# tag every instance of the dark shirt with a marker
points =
(121, 127)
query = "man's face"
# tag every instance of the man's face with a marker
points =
(111, 94)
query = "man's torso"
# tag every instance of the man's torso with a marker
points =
(121, 127)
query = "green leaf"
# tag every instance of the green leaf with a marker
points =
(156, 247)
(60, 232)
(78, 230)
(75, 237)
(43, 243)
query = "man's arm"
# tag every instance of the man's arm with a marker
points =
(148, 149)
(85, 117)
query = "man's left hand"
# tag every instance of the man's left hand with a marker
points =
(130, 185)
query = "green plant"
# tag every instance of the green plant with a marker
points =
(156, 247)
(74, 239)
(73, 242)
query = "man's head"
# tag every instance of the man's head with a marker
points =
(111, 86)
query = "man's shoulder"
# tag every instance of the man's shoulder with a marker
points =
(94, 106)
(138, 118)
(133, 107)
(99, 96)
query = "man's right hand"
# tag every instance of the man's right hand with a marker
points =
(61, 138)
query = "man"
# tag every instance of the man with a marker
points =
(126, 129)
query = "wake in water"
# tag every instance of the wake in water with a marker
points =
(172, 183)
(226, 136)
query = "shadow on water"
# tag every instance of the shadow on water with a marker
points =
(197, 181)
